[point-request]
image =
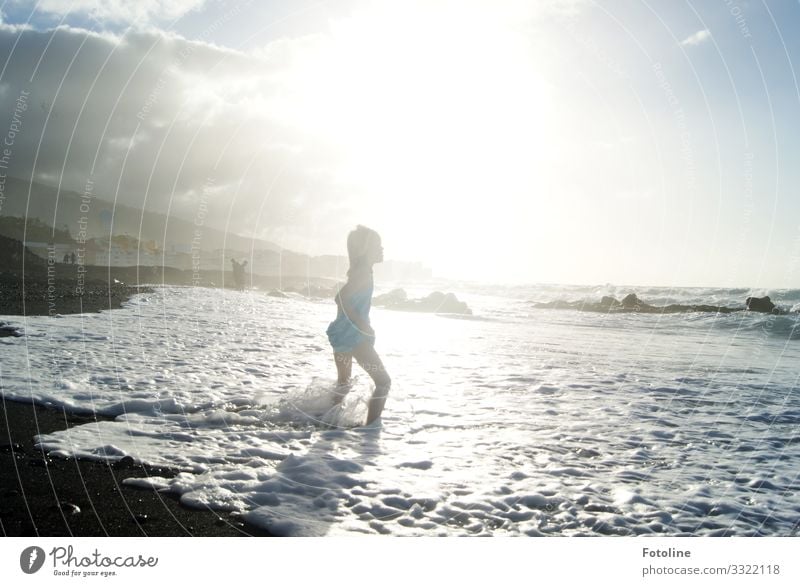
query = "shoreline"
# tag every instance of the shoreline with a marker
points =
(61, 295)
(44, 496)
(109, 287)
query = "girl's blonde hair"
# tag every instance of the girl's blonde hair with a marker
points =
(358, 243)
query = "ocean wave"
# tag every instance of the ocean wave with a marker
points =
(779, 326)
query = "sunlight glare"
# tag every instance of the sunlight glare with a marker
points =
(436, 114)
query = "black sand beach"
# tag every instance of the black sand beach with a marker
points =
(48, 496)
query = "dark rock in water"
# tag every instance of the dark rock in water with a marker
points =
(277, 293)
(630, 304)
(761, 304)
(631, 301)
(7, 330)
(436, 302)
(442, 303)
(608, 301)
(392, 297)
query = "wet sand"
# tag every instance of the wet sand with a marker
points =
(48, 496)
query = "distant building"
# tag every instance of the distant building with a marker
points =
(125, 251)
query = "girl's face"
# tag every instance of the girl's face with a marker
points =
(375, 253)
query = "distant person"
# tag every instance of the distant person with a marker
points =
(235, 268)
(72, 258)
(350, 334)
(242, 279)
(66, 258)
(238, 273)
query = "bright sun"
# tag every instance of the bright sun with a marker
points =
(437, 116)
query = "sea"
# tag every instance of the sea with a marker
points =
(511, 421)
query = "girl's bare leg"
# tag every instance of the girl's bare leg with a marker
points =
(344, 368)
(369, 360)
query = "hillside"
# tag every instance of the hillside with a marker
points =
(159, 233)
(12, 253)
(63, 210)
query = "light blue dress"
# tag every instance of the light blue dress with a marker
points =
(343, 334)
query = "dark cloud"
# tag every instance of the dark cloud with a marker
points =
(164, 123)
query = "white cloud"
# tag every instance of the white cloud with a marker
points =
(697, 38)
(121, 11)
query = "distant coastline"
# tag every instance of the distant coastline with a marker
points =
(31, 285)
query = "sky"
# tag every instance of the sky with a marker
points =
(626, 142)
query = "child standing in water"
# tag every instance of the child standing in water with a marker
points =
(350, 334)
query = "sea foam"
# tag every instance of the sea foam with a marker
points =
(527, 423)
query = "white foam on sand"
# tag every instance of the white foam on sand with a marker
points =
(567, 424)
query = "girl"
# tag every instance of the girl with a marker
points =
(350, 334)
